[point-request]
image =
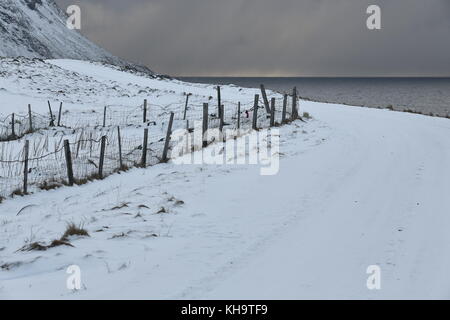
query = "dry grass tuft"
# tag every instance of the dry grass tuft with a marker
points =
(74, 230)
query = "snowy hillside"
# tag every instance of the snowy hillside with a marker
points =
(91, 100)
(356, 187)
(37, 29)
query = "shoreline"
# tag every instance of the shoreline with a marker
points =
(426, 96)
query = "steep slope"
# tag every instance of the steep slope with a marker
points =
(37, 29)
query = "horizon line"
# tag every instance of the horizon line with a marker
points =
(319, 77)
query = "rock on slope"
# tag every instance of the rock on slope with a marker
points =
(37, 29)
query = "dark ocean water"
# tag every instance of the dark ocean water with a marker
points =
(424, 95)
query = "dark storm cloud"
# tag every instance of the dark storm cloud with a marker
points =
(273, 37)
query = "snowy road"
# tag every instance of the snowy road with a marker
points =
(357, 187)
(375, 194)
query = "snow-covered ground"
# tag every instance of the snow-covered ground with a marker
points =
(84, 89)
(356, 187)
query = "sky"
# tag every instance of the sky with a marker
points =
(273, 37)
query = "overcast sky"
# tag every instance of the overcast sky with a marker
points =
(273, 37)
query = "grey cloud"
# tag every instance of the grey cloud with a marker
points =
(268, 37)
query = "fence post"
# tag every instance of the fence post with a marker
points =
(294, 104)
(145, 111)
(272, 112)
(186, 106)
(144, 149)
(283, 115)
(120, 148)
(25, 167)
(166, 143)
(68, 162)
(13, 125)
(59, 114)
(221, 122)
(30, 118)
(266, 101)
(102, 157)
(205, 125)
(239, 116)
(255, 113)
(52, 122)
(219, 101)
(104, 117)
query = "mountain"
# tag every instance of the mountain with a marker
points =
(37, 29)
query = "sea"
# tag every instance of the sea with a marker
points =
(430, 96)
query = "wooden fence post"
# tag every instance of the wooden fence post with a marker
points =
(68, 162)
(144, 149)
(52, 121)
(283, 115)
(59, 114)
(221, 121)
(219, 101)
(239, 116)
(205, 125)
(30, 119)
(255, 113)
(104, 117)
(13, 125)
(145, 111)
(186, 106)
(294, 104)
(266, 101)
(272, 112)
(166, 143)
(102, 157)
(120, 148)
(25, 167)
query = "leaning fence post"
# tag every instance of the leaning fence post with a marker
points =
(68, 162)
(59, 114)
(30, 118)
(144, 149)
(102, 157)
(283, 115)
(166, 143)
(205, 125)
(104, 117)
(239, 116)
(120, 148)
(52, 122)
(266, 101)
(186, 106)
(294, 104)
(25, 167)
(272, 112)
(255, 113)
(145, 111)
(13, 125)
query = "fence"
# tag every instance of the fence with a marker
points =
(100, 149)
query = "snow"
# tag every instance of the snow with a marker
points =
(356, 187)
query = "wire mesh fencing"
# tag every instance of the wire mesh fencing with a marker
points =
(117, 139)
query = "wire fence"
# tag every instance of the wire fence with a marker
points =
(126, 140)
